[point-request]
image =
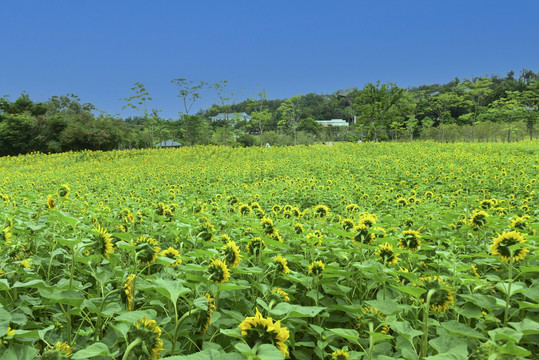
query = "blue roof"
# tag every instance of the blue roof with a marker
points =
(168, 143)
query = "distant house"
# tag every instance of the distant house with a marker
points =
(168, 144)
(231, 117)
(333, 122)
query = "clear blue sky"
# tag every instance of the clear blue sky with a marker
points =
(99, 49)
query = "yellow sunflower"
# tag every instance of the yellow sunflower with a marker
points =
(257, 329)
(442, 296)
(219, 272)
(150, 339)
(103, 242)
(255, 246)
(410, 240)
(172, 254)
(231, 254)
(147, 250)
(340, 355)
(479, 218)
(317, 268)
(500, 246)
(59, 351)
(128, 292)
(282, 264)
(204, 319)
(281, 294)
(374, 316)
(387, 254)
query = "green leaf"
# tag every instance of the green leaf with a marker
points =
(505, 333)
(349, 334)
(470, 311)
(455, 328)
(449, 345)
(132, 316)
(269, 352)
(290, 310)
(35, 284)
(228, 286)
(5, 318)
(526, 326)
(171, 289)
(4, 284)
(19, 352)
(96, 349)
(415, 291)
(64, 218)
(485, 301)
(404, 329)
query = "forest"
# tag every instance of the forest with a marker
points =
(485, 108)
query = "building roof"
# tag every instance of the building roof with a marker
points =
(333, 122)
(231, 116)
(168, 143)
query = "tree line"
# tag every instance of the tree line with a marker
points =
(486, 108)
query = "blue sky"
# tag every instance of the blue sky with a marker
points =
(99, 49)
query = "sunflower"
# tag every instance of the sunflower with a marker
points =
(317, 268)
(172, 254)
(347, 224)
(5, 235)
(520, 222)
(245, 209)
(281, 294)
(402, 279)
(276, 209)
(50, 202)
(25, 264)
(501, 246)
(352, 208)
(231, 253)
(267, 225)
(103, 242)
(402, 202)
(224, 238)
(128, 292)
(147, 250)
(442, 296)
(474, 271)
(486, 204)
(298, 228)
(295, 212)
(282, 264)
(206, 230)
(219, 272)
(340, 355)
(255, 246)
(150, 336)
(387, 255)
(479, 218)
(369, 220)
(410, 240)
(59, 351)
(362, 235)
(204, 320)
(374, 316)
(64, 190)
(257, 329)
(321, 211)
(248, 232)
(314, 238)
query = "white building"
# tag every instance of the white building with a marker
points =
(333, 122)
(231, 117)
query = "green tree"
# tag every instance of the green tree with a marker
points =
(376, 102)
(189, 92)
(477, 92)
(290, 110)
(139, 102)
(442, 104)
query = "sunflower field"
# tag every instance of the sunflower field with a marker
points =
(354, 251)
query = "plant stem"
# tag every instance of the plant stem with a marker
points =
(130, 347)
(508, 295)
(425, 338)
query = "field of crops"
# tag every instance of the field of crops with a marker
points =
(351, 251)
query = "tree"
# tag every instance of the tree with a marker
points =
(139, 102)
(189, 92)
(477, 92)
(376, 101)
(290, 110)
(508, 108)
(442, 105)
(529, 99)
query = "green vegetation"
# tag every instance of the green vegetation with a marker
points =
(481, 109)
